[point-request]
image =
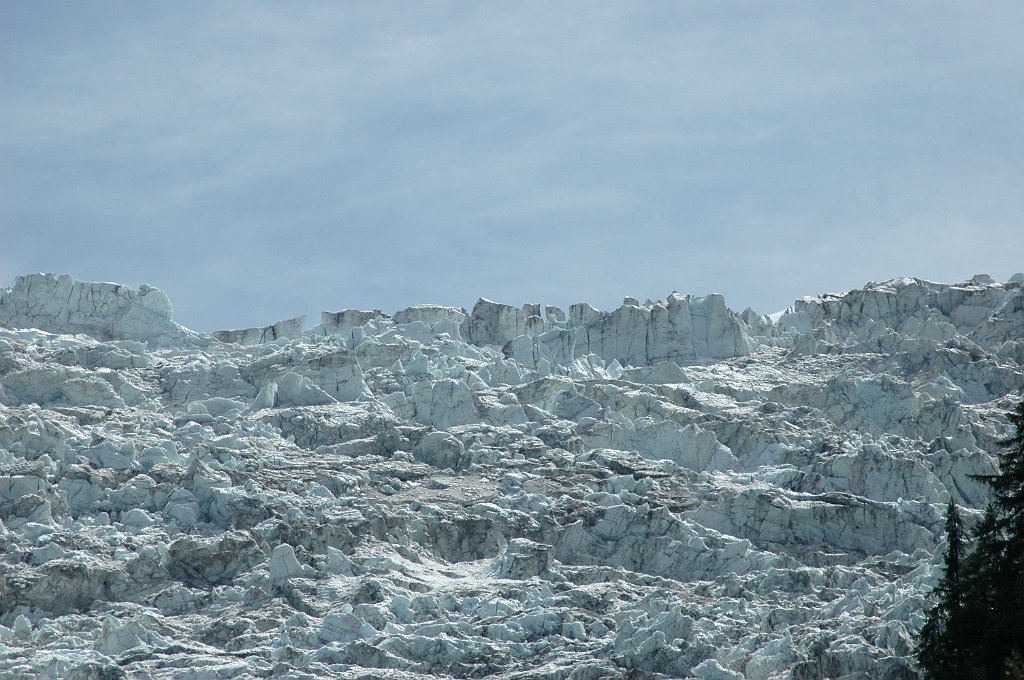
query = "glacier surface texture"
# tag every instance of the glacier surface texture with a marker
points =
(666, 490)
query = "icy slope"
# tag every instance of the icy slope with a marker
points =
(665, 490)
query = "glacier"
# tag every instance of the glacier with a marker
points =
(667, 490)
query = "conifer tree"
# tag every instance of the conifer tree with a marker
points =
(998, 571)
(941, 650)
(983, 585)
(1008, 485)
(976, 627)
(955, 548)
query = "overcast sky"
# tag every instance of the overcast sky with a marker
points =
(262, 160)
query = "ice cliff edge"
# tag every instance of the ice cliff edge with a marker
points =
(680, 329)
(105, 311)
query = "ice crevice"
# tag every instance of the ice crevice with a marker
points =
(668, 489)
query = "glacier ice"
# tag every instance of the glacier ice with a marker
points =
(668, 489)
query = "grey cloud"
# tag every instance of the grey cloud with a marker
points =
(254, 159)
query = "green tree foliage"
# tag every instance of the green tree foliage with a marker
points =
(955, 547)
(1008, 485)
(976, 627)
(940, 652)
